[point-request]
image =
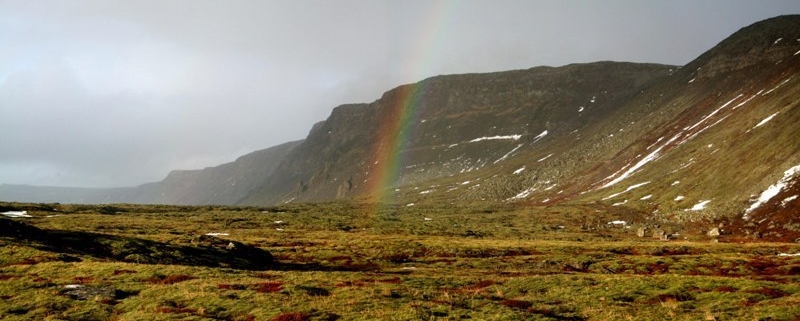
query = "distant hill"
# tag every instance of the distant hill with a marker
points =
(225, 184)
(716, 139)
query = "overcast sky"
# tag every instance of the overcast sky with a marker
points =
(100, 93)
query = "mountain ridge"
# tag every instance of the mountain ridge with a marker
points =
(703, 141)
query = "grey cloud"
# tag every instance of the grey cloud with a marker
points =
(115, 93)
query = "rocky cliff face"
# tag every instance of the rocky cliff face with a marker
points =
(447, 125)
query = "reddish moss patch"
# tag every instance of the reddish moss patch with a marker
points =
(292, 316)
(83, 279)
(725, 288)
(769, 292)
(170, 279)
(8, 277)
(516, 304)
(268, 287)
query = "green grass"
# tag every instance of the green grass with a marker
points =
(358, 262)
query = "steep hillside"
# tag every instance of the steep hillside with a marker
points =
(449, 125)
(706, 143)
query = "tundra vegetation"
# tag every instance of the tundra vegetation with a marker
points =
(355, 261)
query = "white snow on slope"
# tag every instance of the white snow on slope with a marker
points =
(699, 206)
(748, 99)
(516, 172)
(522, 194)
(776, 87)
(772, 191)
(543, 158)
(217, 234)
(679, 198)
(632, 187)
(514, 137)
(788, 199)
(646, 197)
(16, 214)
(507, 154)
(714, 112)
(765, 120)
(544, 133)
(650, 157)
(684, 136)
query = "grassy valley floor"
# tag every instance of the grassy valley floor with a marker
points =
(341, 261)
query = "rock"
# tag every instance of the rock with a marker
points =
(641, 232)
(714, 232)
(82, 292)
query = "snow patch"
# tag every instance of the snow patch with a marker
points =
(580, 109)
(516, 172)
(679, 198)
(513, 137)
(426, 191)
(675, 183)
(544, 133)
(522, 194)
(543, 158)
(772, 191)
(777, 41)
(507, 154)
(699, 206)
(409, 204)
(617, 222)
(788, 199)
(646, 197)
(650, 157)
(788, 254)
(16, 214)
(217, 234)
(715, 112)
(765, 120)
(620, 203)
(632, 187)
(776, 87)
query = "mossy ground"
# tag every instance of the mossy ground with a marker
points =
(361, 262)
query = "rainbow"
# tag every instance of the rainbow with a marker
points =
(402, 105)
(396, 131)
